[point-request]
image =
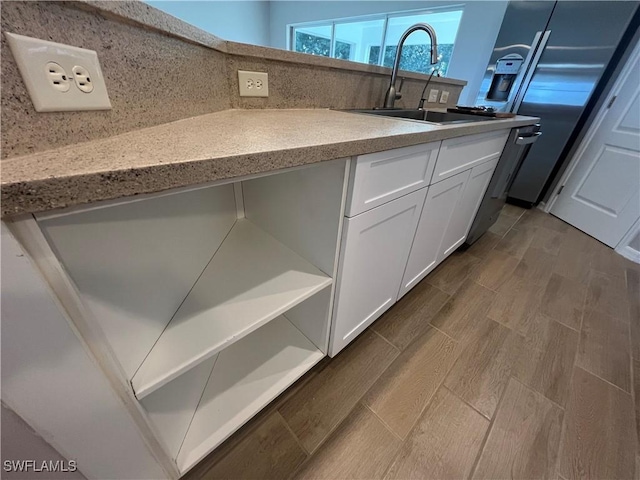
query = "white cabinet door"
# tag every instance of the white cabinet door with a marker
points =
(439, 208)
(466, 208)
(375, 246)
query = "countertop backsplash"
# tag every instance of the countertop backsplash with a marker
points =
(159, 69)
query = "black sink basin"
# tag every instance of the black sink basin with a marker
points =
(431, 116)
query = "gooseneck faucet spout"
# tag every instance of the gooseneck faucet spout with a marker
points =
(392, 94)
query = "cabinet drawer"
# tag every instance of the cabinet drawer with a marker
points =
(462, 153)
(381, 177)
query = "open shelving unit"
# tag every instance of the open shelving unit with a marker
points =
(250, 280)
(213, 300)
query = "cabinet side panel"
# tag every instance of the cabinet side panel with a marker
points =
(301, 209)
(49, 379)
(134, 263)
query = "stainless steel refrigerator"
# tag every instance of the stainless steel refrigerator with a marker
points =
(548, 58)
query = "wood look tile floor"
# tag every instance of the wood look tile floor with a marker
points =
(517, 358)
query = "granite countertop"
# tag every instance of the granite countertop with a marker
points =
(216, 146)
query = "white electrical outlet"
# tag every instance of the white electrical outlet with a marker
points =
(82, 78)
(59, 77)
(433, 96)
(444, 96)
(253, 84)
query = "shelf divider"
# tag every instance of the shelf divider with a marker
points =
(252, 279)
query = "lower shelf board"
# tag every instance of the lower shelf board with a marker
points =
(246, 377)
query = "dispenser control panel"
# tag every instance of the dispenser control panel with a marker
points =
(508, 66)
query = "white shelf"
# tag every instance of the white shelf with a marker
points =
(251, 280)
(246, 377)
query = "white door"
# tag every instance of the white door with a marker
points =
(601, 195)
(466, 208)
(439, 208)
(375, 247)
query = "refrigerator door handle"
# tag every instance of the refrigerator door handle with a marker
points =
(528, 139)
(530, 72)
(523, 71)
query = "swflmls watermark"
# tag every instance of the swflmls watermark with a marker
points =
(39, 466)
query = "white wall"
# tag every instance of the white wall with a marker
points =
(477, 35)
(238, 21)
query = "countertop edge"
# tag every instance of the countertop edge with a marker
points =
(59, 192)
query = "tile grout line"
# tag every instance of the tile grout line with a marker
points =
(358, 401)
(289, 429)
(384, 424)
(331, 431)
(486, 435)
(383, 338)
(632, 367)
(536, 391)
(605, 380)
(633, 389)
(445, 334)
(467, 403)
(584, 312)
(528, 387)
(419, 417)
(563, 429)
(313, 452)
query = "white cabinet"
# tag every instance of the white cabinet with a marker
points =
(388, 249)
(438, 211)
(380, 177)
(375, 246)
(449, 210)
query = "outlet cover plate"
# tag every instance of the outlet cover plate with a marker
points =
(253, 84)
(433, 96)
(32, 55)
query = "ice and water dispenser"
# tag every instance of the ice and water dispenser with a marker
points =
(504, 77)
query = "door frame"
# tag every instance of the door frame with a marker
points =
(595, 125)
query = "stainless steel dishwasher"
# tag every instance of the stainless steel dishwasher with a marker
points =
(515, 151)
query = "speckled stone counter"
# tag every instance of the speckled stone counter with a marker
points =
(207, 148)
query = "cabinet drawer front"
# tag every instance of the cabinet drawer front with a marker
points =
(462, 153)
(384, 176)
(375, 247)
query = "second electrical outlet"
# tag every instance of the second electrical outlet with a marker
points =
(253, 84)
